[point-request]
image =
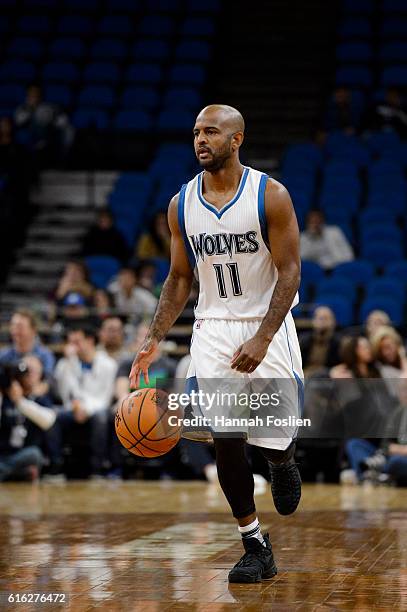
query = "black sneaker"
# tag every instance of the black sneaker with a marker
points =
(285, 486)
(256, 564)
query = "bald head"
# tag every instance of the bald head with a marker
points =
(226, 115)
(218, 134)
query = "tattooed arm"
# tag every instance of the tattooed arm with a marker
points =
(283, 235)
(174, 295)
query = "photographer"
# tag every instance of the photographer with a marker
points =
(25, 416)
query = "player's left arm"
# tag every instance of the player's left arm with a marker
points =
(283, 235)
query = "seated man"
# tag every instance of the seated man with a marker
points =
(85, 382)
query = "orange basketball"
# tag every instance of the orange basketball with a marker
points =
(144, 425)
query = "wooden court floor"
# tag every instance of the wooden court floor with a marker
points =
(153, 547)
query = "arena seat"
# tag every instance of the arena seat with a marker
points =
(75, 24)
(157, 25)
(102, 268)
(81, 5)
(109, 49)
(375, 215)
(394, 6)
(354, 76)
(387, 287)
(396, 269)
(381, 252)
(150, 49)
(12, 94)
(187, 74)
(18, 70)
(360, 271)
(336, 286)
(390, 305)
(86, 118)
(182, 97)
(140, 97)
(117, 25)
(139, 120)
(96, 96)
(392, 201)
(122, 6)
(192, 50)
(67, 48)
(144, 73)
(34, 24)
(175, 119)
(354, 52)
(198, 27)
(395, 51)
(394, 75)
(101, 72)
(341, 307)
(60, 71)
(61, 95)
(27, 47)
(209, 6)
(355, 28)
(394, 28)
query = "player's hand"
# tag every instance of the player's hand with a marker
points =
(250, 355)
(142, 362)
(15, 392)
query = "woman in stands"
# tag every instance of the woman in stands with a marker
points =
(156, 242)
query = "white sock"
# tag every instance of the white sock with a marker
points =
(252, 531)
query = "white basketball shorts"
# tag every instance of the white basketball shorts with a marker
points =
(213, 344)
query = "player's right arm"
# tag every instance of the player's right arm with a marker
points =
(174, 295)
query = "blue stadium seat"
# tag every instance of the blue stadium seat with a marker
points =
(394, 75)
(67, 48)
(377, 233)
(302, 155)
(4, 24)
(116, 25)
(86, 118)
(331, 198)
(198, 27)
(18, 70)
(387, 287)
(163, 6)
(381, 252)
(354, 76)
(108, 48)
(311, 272)
(375, 215)
(25, 46)
(396, 269)
(341, 306)
(172, 119)
(60, 71)
(393, 52)
(341, 184)
(358, 6)
(140, 97)
(361, 272)
(127, 230)
(96, 96)
(182, 97)
(36, 4)
(390, 305)
(355, 28)
(34, 24)
(296, 181)
(191, 50)
(386, 183)
(58, 94)
(342, 146)
(347, 169)
(75, 24)
(138, 120)
(209, 6)
(394, 28)
(354, 52)
(144, 73)
(157, 25)
(187, 74)
(394, 201)
(394, 6)
(11, 95)
(122, 6)
(336, 285)
(151, 49)
(101, 72)
(102, 268)
(385, 167)
(162, 269)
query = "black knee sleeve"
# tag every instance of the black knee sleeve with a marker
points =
(235, 475)
(278, 457)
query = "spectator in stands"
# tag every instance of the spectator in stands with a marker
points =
(23, 332)
(48, 128)
(103, 304)
(112, 339)
(75, 278)
(388, 350)
(326, 245)
(356, 359)
(26, 414)
(342, 113)
(389, 114)
(157, 241)
(374, 321)
(130, 298)
(319, 347)
(103, 238)
(85, 382)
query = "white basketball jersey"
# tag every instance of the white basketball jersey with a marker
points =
(228, 248)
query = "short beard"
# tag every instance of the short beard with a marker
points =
(219, 160)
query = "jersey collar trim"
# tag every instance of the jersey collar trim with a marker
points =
(226, 207)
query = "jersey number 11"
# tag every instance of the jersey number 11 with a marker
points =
(234, 279)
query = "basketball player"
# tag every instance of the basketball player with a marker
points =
(238, 229)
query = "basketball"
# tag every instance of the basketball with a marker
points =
(142, 423)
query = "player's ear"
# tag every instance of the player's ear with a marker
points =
(237, 140)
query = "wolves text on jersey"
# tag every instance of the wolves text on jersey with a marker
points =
(220, 244)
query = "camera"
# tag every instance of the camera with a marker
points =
(9, 372)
